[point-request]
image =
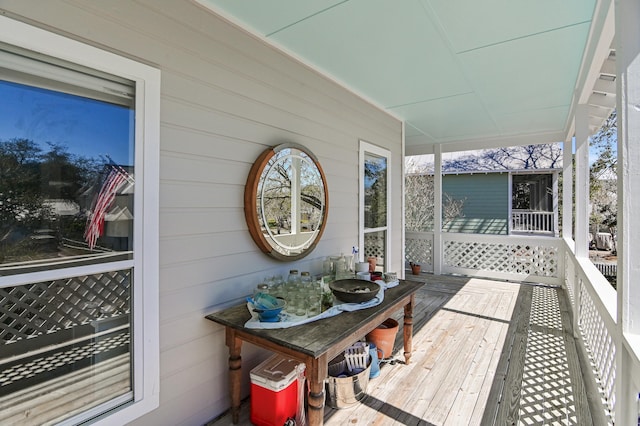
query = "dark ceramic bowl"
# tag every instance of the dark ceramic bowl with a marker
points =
(354, 291)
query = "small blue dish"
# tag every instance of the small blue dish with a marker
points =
(272, 314)
(270, 319)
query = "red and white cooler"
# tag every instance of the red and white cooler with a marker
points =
(274, 391)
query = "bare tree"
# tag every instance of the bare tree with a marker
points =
(419, 202)
(420, 197)
(603, 177)
(525, 157)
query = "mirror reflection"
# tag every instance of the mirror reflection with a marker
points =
(290, 202)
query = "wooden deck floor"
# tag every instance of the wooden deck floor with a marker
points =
(484, 353)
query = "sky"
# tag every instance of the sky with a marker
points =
(88, 128)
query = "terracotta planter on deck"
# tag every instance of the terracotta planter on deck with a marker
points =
(415, 268)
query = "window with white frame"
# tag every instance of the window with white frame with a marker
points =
(78, 264)
(374, 201)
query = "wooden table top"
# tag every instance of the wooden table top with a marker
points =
(318, 337)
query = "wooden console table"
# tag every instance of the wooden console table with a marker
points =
(314, 343)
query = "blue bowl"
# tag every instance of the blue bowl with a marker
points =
(271, 314)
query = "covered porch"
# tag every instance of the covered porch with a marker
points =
(510, 329)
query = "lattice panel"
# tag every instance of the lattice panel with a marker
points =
(419, 251)
(522, 259)
(40, 308)
(374, 246)
(600, 346)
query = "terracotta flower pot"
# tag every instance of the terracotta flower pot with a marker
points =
(372, 263)
(384, 337)
(415, 268)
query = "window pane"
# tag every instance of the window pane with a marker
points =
(66, 200)
(64, 346)
(66, 179)
(375, 191)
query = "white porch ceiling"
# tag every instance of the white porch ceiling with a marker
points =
(463, 72)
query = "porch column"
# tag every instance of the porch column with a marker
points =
(627, 16)
(567, 190)
(582, 181)
(567, 217)
(438, 247)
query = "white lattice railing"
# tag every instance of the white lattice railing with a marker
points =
(507, 257)
(593, 301)
(531, 221)
(525, 258)
(419, 249)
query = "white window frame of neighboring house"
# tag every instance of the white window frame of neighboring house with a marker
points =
(145, 293)
(366, 147)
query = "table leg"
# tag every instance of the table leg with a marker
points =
(235, 372)
(316, 373)
(408, 329)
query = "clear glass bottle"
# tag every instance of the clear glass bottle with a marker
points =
(341, 267)
(277, 288)
(334, 263)
(349, 262)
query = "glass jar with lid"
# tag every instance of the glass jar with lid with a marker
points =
(293, 275)
(293, 280)
(305, 282)
(261, 288)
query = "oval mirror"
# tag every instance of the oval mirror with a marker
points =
(286, 201)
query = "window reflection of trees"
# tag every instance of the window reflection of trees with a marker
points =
(276, 195)
(375, 179)
(45, 195)
(34, 184)
(279, 183)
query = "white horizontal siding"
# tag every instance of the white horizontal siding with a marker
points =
(226, 97)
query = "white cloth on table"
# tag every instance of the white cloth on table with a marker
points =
(287, 320)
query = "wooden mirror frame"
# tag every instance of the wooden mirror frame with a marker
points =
(252, 213)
